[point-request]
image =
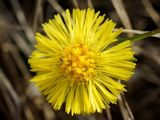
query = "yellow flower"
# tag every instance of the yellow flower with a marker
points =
(78, 62)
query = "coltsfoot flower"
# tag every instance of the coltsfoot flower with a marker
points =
(78, 62)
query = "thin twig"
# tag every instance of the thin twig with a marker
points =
(22, 20)
(149, 54)
(20, 42)
(56, 6)
(127, 107)
(75, 3)
(124, 111)
(153, 14)
(120, 9)
(90, 5)
(38, 10)
(5, 82)
(28, 113)
(109, 116)
(18, 61)
(137, 32)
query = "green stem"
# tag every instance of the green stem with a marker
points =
(140, 36)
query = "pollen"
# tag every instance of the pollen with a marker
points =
(77, 62)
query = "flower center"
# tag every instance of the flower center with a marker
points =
(77, 62)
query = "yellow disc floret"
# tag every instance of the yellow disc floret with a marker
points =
(77, 62)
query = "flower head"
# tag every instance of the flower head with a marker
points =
(78, 62)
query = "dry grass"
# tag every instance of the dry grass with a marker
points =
(19, 20)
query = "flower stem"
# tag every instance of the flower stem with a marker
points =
(140, 36)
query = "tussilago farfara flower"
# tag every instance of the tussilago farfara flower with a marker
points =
(78, 62)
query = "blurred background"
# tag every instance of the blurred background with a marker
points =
(20, 19)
